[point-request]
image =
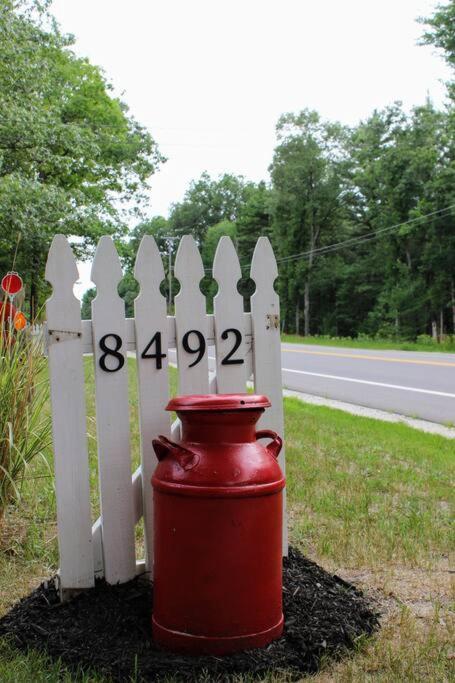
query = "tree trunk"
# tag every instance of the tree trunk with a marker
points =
(441, 324)
(408, 259)
(297, 318)
(434, 330)
(306, 308)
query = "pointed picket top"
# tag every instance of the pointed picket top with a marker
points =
(148, 268)
(188, 269)
(226, 267)
(112, 416)
(265, 322)
(61, 268)
(106, 269)
(229, 320)
(264, 270)
(66, 371)
(190, 319)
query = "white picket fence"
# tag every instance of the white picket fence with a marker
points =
(245, 345)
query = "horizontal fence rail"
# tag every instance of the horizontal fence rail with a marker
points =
(235, 345)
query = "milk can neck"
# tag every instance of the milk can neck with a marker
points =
(238, 426)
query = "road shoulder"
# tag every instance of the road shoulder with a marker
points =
(422, 425)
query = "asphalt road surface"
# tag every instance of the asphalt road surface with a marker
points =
(406, 382)
(419, 385)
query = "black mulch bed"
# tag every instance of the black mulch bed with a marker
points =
(107, 629)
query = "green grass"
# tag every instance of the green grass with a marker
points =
(368, 499)
(365, 493)
(447, 346)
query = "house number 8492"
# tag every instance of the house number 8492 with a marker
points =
(193, 342)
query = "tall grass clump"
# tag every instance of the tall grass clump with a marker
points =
(25, 426)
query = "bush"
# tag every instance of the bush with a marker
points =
(25, 426)
(426, 339)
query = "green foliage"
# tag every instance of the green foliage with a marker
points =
(206, 203)
(128, 289)
(332, 185)
(441, 31)
(424, 342)
(399, 173)
(307, 172)
(254, 220)
(67, 146)
(69, 152)
(86, 309)
(212, 237)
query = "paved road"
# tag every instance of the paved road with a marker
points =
(410, 383)
(407, 382)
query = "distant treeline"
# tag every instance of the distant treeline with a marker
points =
(362, 219)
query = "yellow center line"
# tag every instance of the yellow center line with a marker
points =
(364, 357)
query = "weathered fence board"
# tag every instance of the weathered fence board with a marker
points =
(229, 320)
(265, 317)
(190, 320)
(152, 366)
(240, 345)
(112, 416)
(69, 420)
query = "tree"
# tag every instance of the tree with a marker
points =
(254, 220)
(212, 237)
(157, 227)
(397, 162)
(441, 31)
(70, 156)
(307, 177)
(206, 203)
(128, 287)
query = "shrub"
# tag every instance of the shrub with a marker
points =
(25, 426)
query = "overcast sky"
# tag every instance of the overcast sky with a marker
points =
(209, 78)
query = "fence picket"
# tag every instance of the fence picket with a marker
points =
(69, 435)
(265, 317)
(153, 381)
(112, 416)
(191, 320)
(109, 546)
(229, 320)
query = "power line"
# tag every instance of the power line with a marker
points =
(363, 238)
(352, 241)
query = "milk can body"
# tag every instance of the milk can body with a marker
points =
(218, 528)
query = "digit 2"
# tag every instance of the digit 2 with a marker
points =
(228, 360)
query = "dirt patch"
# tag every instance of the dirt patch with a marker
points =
(107, 629)
(422, 591)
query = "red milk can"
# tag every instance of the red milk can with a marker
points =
(218, 528)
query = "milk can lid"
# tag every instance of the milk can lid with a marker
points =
(218, 402)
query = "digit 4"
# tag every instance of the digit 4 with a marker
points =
(156, 339)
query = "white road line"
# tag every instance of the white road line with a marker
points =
(376, 384)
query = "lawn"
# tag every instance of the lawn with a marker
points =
(428, 345)
(368, 500)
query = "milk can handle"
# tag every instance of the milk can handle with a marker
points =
(164, 447)
(274, 446)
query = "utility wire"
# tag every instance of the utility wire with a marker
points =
(352, 241)
(364, 238)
